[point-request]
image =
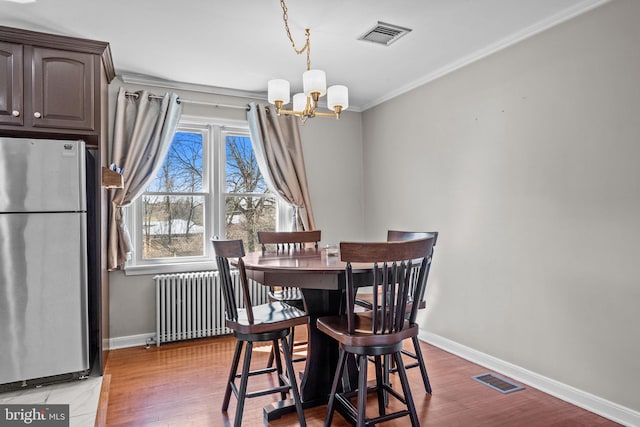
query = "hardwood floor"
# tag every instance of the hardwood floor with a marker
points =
(182, 384)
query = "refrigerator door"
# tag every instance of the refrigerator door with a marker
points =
(41, 175)
(43, 295)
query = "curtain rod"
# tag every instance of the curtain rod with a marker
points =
(188, 101)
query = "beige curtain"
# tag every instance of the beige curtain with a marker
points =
(143, 131)
(278, 148)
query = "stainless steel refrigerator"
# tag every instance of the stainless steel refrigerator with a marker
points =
(43, 260)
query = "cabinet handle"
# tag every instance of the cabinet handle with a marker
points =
(37, 115)
(15, 113)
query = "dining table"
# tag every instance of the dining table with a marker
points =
(321, 277)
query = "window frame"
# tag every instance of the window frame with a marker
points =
(214, 189)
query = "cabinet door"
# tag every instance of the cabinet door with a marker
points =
(62, 85)
(11, 84)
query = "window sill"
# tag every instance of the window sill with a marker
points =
(165, 268)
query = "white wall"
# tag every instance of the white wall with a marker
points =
(333, 158)
(527, 164)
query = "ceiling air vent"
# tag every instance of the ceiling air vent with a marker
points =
(383, 33)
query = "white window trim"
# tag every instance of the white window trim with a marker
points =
(214, 184)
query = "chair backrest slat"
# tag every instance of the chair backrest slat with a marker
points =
(288, 240)
(225, 249)
(393, 264)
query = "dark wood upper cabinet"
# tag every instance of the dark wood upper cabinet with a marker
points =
(46, 88)
(62, 89)
(11, 84)
(52, 84)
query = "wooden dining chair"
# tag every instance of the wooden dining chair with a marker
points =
(286, 242)
(262, 323)
(376, 333)
(365, 300)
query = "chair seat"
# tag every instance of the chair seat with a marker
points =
(267, 318)
(336, 327)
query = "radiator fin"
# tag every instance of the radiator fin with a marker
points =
(190, 305)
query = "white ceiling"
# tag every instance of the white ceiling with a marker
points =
(241, 44)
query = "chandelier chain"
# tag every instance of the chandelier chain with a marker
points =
(307, 45)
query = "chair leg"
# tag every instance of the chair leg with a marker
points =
(270, 361)
(292, 340)
(402, 373)
(350, 367)
(382, 395)
(283, 395)
(423, 368)
(242, 393)
(288, 360)
(362, 391)
(292, 344)
(232, 375)
(274, 349)
(386, 371)
(334, 387)
(417, 355)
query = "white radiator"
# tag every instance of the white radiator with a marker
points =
(190, 305)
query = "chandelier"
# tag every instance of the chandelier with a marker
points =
(314, 84)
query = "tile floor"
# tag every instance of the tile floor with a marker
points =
(81, 395)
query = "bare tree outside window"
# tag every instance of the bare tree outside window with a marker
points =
(173, 205)
(249, 207)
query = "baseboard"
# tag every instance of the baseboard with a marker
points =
(131, 341)
(588, 401)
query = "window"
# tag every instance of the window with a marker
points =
(174, 204)
(249, 207)
(209, 185)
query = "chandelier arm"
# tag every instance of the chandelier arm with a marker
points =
(291, 112)
(323, 114)
(313, 113)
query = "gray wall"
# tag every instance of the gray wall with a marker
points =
(333, 153)
(527, 163)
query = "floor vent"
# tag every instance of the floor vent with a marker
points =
(497, 383)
